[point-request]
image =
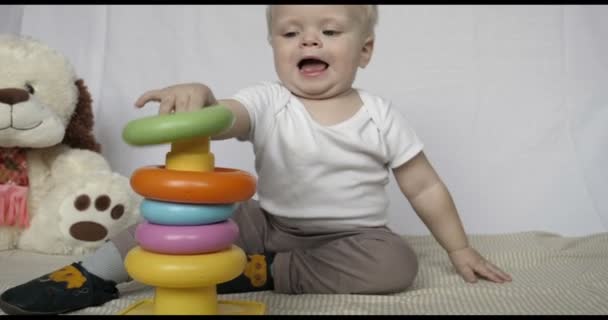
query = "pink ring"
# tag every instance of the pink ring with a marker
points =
(186, 239)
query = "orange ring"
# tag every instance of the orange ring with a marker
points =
(221, 186)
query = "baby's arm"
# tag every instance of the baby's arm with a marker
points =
(194, 96)
(433, 203)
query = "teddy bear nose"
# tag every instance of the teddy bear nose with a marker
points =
(13, 95)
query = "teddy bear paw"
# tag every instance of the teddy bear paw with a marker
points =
(94, 229)
(81, 214)
(94, 214)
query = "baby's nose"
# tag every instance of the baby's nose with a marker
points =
(310, 40)
(13, 95)
(310, 43)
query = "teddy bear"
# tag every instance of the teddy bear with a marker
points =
(58, 194)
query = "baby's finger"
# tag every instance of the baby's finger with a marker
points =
(167, 104)
(503, 275)
(196, 102)
(181, 103)
(468, 274)
(485, 271)
(152, 95)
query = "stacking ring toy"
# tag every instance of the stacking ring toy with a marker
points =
(221, 186)
(185, 271)
(176, 126)
(182, 214)
(186, 243)
(186, 239)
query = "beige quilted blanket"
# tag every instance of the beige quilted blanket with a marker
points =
(551, 275)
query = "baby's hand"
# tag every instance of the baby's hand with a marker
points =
(469, 263)
(178, 98)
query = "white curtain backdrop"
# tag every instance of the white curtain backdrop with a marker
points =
(511, 101)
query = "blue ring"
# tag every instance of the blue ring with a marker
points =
(184, 214)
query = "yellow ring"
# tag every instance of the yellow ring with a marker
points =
(190, 161)
(185, 271)
(190, 155)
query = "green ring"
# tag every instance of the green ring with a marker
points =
(166, 128)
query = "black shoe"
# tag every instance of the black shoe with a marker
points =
(67, 289)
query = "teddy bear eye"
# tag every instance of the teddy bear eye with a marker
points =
(30, 88)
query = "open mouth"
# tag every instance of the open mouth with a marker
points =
(312, 66)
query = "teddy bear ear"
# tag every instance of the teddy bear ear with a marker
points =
(79, 132)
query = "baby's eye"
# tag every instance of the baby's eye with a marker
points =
(29, 88)
(331, 32)
(290, 34)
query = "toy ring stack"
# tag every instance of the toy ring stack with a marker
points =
(186, 242)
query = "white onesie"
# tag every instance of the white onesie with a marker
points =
(312, 176)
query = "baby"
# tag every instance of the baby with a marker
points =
(323, 154)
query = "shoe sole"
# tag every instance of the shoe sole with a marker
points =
(10, 309)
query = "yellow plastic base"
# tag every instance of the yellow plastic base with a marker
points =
(225, 307)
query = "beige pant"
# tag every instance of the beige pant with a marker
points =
(361, 261)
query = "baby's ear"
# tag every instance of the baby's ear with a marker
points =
(366, 51)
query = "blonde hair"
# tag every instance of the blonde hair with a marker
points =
(370, 17)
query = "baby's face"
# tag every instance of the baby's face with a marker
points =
(318, 48)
